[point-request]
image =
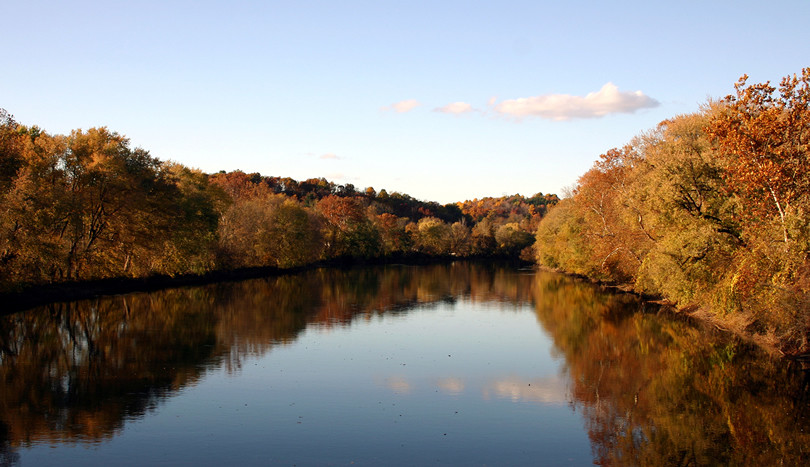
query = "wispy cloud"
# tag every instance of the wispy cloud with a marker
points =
(403, 106)
(608, 100)
(337, 176)
(455, 108)
(329, 156)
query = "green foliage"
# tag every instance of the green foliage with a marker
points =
(561, 243)
(198, 206)
(512, 239)
(433, 236)
(295, 235)
(688, 209)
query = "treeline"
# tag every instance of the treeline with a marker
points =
(709, 210)
(88, 206)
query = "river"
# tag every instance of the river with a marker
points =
(454, 364)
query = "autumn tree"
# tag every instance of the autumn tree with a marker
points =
(295, 235)
(31, 197)
(11, 147)
(116, 201)
(686, 208)
(482, 238)
(238, 185)
(708, 210)
(348, 232)
(394, 239)
(512, 239)
(244, 232)
(433, 236)
(561, 243)
(618, 237)
(764, 139)
(197, 206)
(460, 244)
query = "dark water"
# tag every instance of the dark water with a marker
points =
(458, 364)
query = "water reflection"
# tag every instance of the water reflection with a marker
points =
(658, 391)
(652, 390)
(77, 371)
(451, 386)
(549, 390)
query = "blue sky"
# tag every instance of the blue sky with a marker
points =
(443, 100)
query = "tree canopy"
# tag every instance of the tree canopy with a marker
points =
(708, 210)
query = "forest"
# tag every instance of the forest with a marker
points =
(708, 210)
(88, 206)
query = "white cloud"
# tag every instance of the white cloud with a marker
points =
(456, 108)
(607, 100)
(403, 106)
(329, 156)
(336, 176)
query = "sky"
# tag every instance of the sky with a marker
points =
(443, 100)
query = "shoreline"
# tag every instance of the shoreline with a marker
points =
(695, 313)
(40, 295)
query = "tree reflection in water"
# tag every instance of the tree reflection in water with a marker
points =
(653, 390)
(657, 390)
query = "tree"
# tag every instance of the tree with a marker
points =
(11, 148)
(239, 185)
(393, 236)
(764, 140)
(561, 243)
(347, 230)
(617, 235)
(78, 206)
(708, 210)
(684, 202)
(482, 238)
(460, 239)
(116, 201)
(244, 232)
(294, 235)
(433, 236)
(512, 239)
(32, 206)
(197, 205)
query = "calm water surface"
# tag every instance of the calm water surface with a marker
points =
(459, 364)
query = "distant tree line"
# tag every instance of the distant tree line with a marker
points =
(88, 206)
(710, 210)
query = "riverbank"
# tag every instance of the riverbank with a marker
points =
(39, 295)
(699, 314)
(70, 291)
